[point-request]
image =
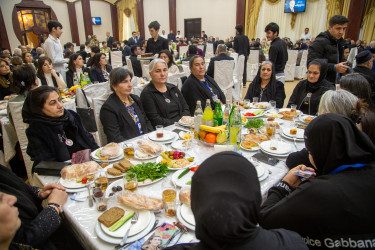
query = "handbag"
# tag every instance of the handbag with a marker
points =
(87, 116)
(50, 168)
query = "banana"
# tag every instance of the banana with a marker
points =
(210, 129)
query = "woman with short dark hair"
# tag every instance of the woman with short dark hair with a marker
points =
(122, 114)
(76, 67)
(28, 58)
(100, 69)
(47, 75)
(54, 133)
(358, 86)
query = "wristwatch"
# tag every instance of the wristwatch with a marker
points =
(57, 206)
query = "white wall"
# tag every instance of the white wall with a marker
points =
(101, 9)
(218, 16)
(156, 10)
(81, 26)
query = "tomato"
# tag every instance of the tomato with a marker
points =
(84, 180)
(194, 168)
(249, 114)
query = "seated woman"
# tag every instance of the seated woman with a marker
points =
(100, 69)
(166, 55)
(16, 61)
(5, 80)
(76, 67)
(163, 102)
(47, 76)
(336, 207)
(339, 102)
(357, 85)
(200, 87)
(226, 210)
(266, 87)
(54, 133)
(122, 115)
(9, 221)
(28, 58)
(306, 95)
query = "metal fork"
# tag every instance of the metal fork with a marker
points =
(295, 144)
(133, 221)
(91, 203)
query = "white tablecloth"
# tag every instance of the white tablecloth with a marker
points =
(83, 219)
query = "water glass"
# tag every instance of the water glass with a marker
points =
(130, 182)
(255, 100)
(246, 103)
(159, 131)
(273, 104)
(169, 197)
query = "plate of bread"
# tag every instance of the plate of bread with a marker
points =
(118, 169)
(147, 149)
(78, 175)
(287, 114)
(306, 118)
(111, 151)
(249, 145)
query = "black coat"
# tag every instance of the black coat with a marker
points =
(278, 54)
(241, 45)
(156, 108)
(118, 124)
(325, 47)
(70, 76)
(279, 96)
(370, 77)
(45, 143)
(136, 64)
(211, 66)
(193, 90)
(98, 76)
(110, 41)
(155, 47)
(300, 92)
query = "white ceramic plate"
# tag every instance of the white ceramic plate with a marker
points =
(182, 182)
(263, 176)
(187, 214)
(250, 111)
(260, 170)
(303, 117)
(111, 159)
(183, 221)
(250, 150)
(114, 240)
(159, 159)
(273, 115)
(149, 157)
(179, 145)
(282, 147)
(171, 140)
(262, 103)
(182, 133)
(72, 184)
(299, 112)
(266, 152)
(167, 135)
(299, 135)
(144, 218)
(121, 184)
(184, 124)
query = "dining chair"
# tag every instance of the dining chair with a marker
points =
(223, 75)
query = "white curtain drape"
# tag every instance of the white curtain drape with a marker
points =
(315, 18)
(128, 27)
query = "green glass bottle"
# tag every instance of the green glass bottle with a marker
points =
(218, 114)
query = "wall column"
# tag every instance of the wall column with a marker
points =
(141, 18)
(115, 30)
(4, 41)
(355, 17)
(172, 17)
(240, 12)
(73, 22)
(86, 10)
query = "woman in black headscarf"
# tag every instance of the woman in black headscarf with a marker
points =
(54, 133)
(306, 95)
(336, 207)
(266, 87)
(225, 200)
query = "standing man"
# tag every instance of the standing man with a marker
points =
(156, 43)
(204, 36)
(171, 36)
(110, 39)
(139, 39)
(306, 35)
(241, 45)
(329, 45)
(278, 53)
(163, 35)
(52, 46)
(178, 36)
(133, 40)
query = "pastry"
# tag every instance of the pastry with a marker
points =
(257, 138)
(249, 144)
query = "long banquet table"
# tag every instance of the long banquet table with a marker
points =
(83, 218)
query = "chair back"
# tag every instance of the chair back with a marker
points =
(116, 59)
(209, 50)
(130, 66)
(223, 75)
(252, 65)
(91, 91)
(290, 66)
(97, 106)
(238, 78)
(182, 50)
(145, 69)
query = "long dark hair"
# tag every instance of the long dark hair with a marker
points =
(72, 58)
(170, 57)
(96, 62)
(357, 85)
(41, 62)
(23, 78)
(24, 56)
(368, 124)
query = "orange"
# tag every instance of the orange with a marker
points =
(210, 138)
(202, 134)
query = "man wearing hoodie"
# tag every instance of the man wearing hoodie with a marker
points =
(329, 45)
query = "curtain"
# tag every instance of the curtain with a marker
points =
(334, 7)
(369, 22)
(314, 18)
(121, 6)
(251, 17)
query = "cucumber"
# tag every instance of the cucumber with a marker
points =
(98, 152)
(121, 222)
(188, 182)
(258, 112)
(183, 173)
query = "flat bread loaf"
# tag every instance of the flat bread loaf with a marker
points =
(79, 170)
(110, 150)
(150, 147)
(140, 202)
(184, 196)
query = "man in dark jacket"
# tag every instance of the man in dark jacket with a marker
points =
(241, 45)
(110, 40)
(156, 43)
(136, 64)
(364, 65)
(172, 36)
(221, 55)
(330, 45)
(126, 51)
(278, 53)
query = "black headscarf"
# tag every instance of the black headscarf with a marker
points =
(225, 200)
(334, 140)
(31, 112)
(312, 87)
(255, 87)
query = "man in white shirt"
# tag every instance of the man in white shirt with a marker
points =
(178, 36)
(52, 46)
(163, 35)
(306, 35)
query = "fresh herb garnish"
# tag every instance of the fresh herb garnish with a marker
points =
(149, 170)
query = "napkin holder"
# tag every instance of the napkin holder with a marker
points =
(50, 168)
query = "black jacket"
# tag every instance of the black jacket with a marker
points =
(300, 92)
(333, 211)
(118, 124)
(241, 45)
(155, 47)
(70, 76)
(211, 66)
(278, 54)
(325, 47)
(110, 41)
(279, 96)
(136, 64)
(156, 108)
(193, 90)
(45, 143)
(98, 76)
(370, 77)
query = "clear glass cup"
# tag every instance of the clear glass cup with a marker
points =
(255, 100)
(270, 129)
(273, 104)
(130, 182)
(101, 181)
(100, 200)
(169, 197)
(293, 129)
(159, 131)
(246, 103)
(128, 151)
